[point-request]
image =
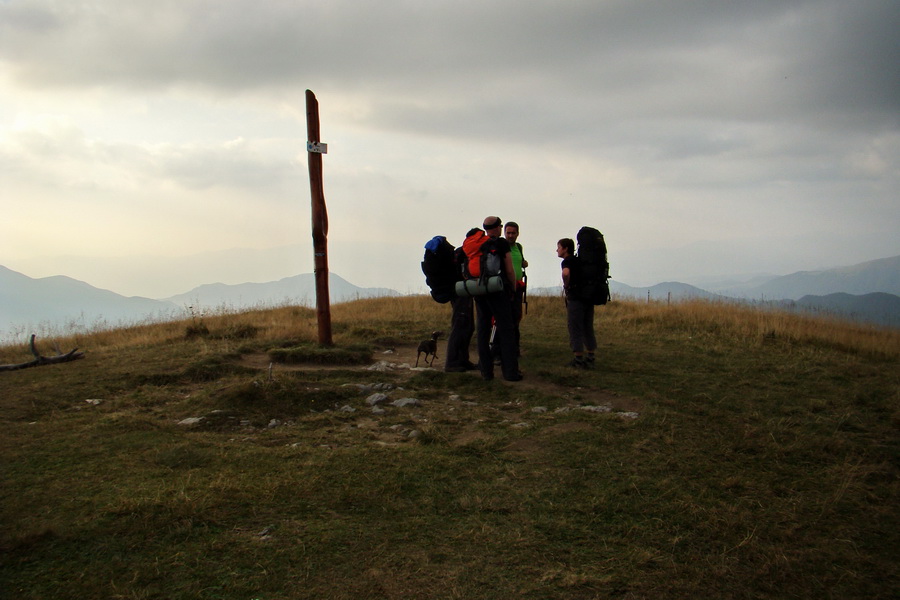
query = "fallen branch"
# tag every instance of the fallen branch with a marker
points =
(43, 360)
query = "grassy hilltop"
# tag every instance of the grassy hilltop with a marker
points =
(714, 452)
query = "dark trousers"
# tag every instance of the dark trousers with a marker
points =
(518, 303)
(499, 307)
(462, 327)
(518, 310)
(581, 325)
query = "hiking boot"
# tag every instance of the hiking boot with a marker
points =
(514, 377)
(589, 359)
(578, 363)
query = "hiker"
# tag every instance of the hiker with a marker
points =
(497, 306)
(511, 234)
(462, 323)
(580, 313)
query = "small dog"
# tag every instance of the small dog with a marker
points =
(429, 347)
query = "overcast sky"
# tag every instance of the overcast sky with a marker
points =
(149, 147)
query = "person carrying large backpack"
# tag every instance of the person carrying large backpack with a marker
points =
(586, 282)
(462, 320)
(488, 256)
(579, 313)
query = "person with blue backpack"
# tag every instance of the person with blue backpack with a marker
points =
(462, 320)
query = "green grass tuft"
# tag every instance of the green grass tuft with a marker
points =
(318, 355)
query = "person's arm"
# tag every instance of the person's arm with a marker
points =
(565, 277)
(510, 272)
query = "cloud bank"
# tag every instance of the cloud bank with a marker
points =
(703, 138)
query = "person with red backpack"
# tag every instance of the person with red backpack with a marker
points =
(489, 258)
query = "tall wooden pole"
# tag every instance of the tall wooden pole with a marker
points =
(319, 219)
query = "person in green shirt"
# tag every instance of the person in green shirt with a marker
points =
(511, 233)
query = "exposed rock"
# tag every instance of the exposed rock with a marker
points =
(383, 365)
(376, 399)
(402, 402)
(191, 421)
(370, 387)
(597, 409)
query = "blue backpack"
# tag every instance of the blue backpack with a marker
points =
(441, 269)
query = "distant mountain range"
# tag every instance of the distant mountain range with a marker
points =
(299, 289)
(868, 291)
(882, 275)
(62, 304)
(877, 307)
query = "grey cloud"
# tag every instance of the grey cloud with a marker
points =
(592, 48)
(614, 78)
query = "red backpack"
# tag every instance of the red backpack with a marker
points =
(472, 248)
(483, 259)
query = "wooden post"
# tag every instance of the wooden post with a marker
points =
(319, 219)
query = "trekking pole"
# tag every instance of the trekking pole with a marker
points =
(525, 290)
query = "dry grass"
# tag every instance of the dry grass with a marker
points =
(762, 462)
(754, 325)
(409, 318)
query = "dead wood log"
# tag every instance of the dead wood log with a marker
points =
(44, 360)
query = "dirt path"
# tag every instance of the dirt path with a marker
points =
(401, 360)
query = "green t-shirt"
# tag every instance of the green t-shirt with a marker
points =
(515, 251)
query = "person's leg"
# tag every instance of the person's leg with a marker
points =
(575, 314)
(468, 329)
(483, 336)
(590, 338)
(457, 342)
(506, 335)
(517, 319)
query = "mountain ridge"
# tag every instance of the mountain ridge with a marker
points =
(60, 303)
(300, 289)
(879, 275)
(855, 291)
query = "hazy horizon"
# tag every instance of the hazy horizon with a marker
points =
(151, 148)
(123, 271)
